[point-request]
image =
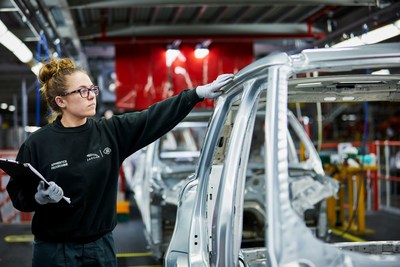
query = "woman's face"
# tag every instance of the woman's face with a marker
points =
(75, 105)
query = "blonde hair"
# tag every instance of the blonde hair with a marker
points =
(52, 79)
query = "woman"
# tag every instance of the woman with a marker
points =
(81, 157)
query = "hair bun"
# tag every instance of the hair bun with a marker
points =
(53, 67)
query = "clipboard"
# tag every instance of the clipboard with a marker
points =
(17, 169)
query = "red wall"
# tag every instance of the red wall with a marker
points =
(143, 77)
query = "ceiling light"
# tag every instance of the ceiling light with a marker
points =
(3, 28)
(15, 45)
(301, 85)
(171, 55)
(330, 99)
(31, 129)
(201, 50)
(36, 68)
(172, 52)
(112, 87)
(348, 98)
(372, 37)
(3, 106)
(381, 72)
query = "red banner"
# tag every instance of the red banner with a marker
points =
(144, 78)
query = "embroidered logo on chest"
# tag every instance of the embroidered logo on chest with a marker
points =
(97, 155)
(59, 164)
(92, 156)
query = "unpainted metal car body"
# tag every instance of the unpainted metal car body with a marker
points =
(209, 225)
(156, 174)
(161, 170)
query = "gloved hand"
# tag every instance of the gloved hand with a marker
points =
(212, 90)
(51, 194)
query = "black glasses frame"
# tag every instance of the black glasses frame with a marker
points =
(84, 91)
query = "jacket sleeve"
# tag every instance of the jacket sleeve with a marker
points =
(136, 130)
(22, 191)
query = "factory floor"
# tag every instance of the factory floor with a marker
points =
(381, 225)
(132, 249)
(130, 242)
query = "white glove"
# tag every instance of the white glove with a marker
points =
(52, 194)
(212, 90)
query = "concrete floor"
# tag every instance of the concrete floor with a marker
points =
(131, 244)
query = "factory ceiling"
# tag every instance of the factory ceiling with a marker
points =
(87, 30)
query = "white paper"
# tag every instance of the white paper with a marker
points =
(44, 179)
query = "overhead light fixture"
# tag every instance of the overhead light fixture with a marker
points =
(329, 99)
(303, 85)
(374, 36)
(3, 28)
(36, 68)
(3, 106)
(348, 98)
(171, 55)
(172, 52)
(31, 129)
(201, 50)
(11, 108)
(15, 45)
(381, 72)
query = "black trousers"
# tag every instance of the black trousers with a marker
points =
(100, 253)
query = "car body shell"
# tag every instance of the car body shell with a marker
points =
(156, 174)
(209, 222)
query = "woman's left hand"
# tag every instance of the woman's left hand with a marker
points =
(213, 90)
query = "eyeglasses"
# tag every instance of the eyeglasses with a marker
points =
(84, 91)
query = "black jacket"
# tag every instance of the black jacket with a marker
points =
(85, 162)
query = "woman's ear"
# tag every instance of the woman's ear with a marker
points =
(60, 101)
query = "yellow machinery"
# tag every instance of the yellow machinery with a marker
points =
(347, 211)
